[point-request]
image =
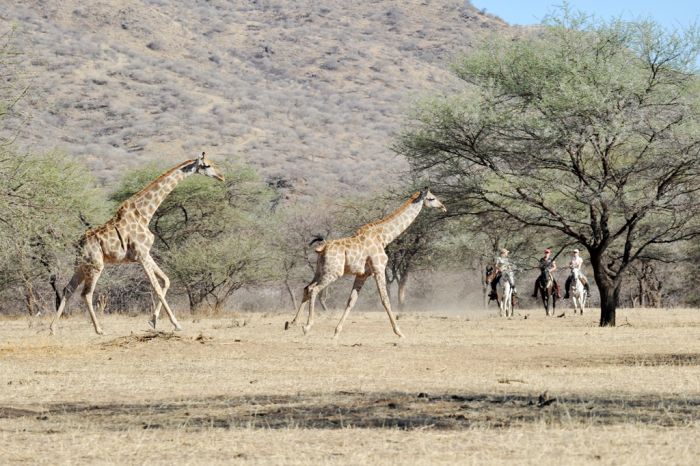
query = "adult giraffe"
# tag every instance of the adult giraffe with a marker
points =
(126, 238)
(362, 255)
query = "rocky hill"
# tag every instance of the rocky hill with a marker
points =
(310, 93)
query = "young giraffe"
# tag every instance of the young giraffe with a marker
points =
(126, 238)
(362, 255)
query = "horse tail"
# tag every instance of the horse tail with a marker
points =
(321, 243)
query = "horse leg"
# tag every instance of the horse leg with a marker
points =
(499, 300)
(509, 301)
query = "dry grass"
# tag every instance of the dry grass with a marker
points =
(477, 390)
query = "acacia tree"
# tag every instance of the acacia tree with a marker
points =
(299, 224)
(589, 129)
(45, 199)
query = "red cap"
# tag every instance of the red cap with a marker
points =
(547, 250)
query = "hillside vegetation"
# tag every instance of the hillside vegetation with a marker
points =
(309, 93)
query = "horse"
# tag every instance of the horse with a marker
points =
(545, 286)
(504, 293)
(579, 295)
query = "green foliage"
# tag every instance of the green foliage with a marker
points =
(588, 129)
(42, 200)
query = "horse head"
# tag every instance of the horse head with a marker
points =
(510, 276)
(576, 274)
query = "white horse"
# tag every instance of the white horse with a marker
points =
(504, 293)
(579, 295)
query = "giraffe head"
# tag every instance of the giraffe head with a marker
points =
(429, 200)
(205, 167)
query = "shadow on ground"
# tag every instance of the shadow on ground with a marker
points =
(337, 410)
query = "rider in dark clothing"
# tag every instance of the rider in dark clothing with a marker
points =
(546, 264)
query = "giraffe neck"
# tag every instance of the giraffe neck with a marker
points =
(391, 226)
(149, 198)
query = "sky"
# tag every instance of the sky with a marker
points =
(669, 13)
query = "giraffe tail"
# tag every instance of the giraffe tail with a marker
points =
(320, 243)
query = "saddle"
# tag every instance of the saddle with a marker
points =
(583, 278)
(544, 276)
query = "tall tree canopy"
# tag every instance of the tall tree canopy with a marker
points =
(587, 128)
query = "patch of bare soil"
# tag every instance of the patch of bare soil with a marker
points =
(677, 359)
(406, 411)
(153, 336)
(635, 360)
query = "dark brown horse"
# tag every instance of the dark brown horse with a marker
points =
(547, 289)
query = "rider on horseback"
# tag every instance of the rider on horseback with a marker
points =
(501, 264)
(547, 265)
(576, 262)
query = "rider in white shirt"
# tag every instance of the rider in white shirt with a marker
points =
(576, 262)
(501, 264)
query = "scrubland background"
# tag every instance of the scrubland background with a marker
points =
(306, 92)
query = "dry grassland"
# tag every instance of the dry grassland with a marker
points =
(473, 390)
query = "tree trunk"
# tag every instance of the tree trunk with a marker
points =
(291, 294)
(29, 299)
(609, 298)
(53, 281)
(403, 282)
(608, 288)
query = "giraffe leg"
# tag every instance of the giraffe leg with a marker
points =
(149, 267)
(381, 287)
(356, 287)
(166, 285)
(304, 300)
(322, 297)
(315, 290)
(91, 278)
(75, 281)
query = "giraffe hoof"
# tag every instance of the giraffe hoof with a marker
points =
(305, 329)
(286, 325)
(178, 328)
(99, 331)
(152, 323)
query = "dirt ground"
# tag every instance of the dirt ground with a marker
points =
(466, 388)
